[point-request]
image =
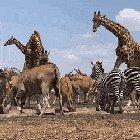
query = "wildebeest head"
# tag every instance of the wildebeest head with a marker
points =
(8, 73)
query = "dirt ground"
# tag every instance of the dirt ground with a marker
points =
(84, 124)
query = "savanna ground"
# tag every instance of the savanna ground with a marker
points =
(84, 124)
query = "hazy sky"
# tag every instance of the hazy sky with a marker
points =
(65, 27)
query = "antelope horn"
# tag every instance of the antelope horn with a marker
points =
(70, 73)
(92, 63)
(15, 69)
(79, 71)
(94, 13)
(76, 70)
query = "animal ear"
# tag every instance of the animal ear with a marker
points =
(48, 53)
(94, 14)
(92, 63)
(98, 12)
(104, 16)
(12, 37)
(35, 32)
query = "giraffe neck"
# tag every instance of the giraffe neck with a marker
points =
(119, 31)
(19, 45)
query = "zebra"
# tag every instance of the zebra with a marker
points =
(109, 88)
(131, 86)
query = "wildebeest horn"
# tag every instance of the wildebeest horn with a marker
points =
(70, 73)
(76, 70)
(95, 13)
(92, 63)
(15, 69)
(79, 71)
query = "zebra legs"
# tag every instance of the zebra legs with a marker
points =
(135, 99)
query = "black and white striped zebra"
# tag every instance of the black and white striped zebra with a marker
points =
(109, 91)
(131, 86)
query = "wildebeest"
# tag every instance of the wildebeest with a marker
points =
(66, 93)
(84, 83)
(36, 81)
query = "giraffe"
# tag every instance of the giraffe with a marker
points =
(128, 50)
(32, 50)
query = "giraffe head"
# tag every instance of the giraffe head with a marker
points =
(9, 41)
(97, 19)
(36, 38)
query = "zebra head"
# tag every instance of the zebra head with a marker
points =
(97, 70)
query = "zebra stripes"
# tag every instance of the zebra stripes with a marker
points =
(132, 85)
(109, 92)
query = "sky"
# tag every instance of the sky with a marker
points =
(66, 30)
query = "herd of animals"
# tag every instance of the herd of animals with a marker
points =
(39, 76)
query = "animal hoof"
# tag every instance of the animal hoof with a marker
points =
(57, 110)
(38, 113)
(71, 109)
(62, 113)
(97, 109)
(120, 112)
(86, 101)
(1, 110)
(21, 111)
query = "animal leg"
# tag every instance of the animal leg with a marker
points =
(133, 99)
(19, 108)
(46, 97)
(86, 99)
(97, 101)
(45, 105)
(78, 98)
(56, 89)
(69, 105)
(19, 101)
(61, 103)
(28, 102)
(112, 105)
